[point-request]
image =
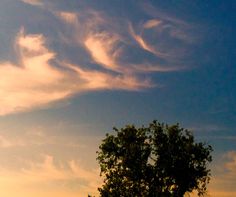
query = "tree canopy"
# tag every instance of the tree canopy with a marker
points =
(154, 161)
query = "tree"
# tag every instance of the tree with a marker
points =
(154, 161)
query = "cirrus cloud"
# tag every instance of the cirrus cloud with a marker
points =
(35, 82)
(108, 58)
(33, 2)
(43, 174)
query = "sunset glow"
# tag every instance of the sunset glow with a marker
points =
(72, 70)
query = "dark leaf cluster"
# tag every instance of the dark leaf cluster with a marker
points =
(154, 161)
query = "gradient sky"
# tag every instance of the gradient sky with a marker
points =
(70, 70)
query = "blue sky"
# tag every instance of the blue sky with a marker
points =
(71, 70)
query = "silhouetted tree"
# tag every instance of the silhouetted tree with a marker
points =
(155, 161)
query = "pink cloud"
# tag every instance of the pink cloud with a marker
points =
(102, 48)
(33, 2)
(34, 82)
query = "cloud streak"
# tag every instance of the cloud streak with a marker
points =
(35, 82)
(152, 23)
(33, 2)
(108, 48)
(102, 49)
(70, 177)
(224, 173)
(142, 43)
(96, 80)
(43, 75)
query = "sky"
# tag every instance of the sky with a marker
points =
(72, 70)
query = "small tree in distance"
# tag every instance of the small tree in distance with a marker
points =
(154, 161)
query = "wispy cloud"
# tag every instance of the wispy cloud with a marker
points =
(223, 176)
(143, 44)
(69, 177)
(48, 171)
(222, 183)
(5, 143)
(43, 161)
(108, 48)
(152, 23)
(33, 2)
(103, 49)
(33, 81)
(68, 17)
(230, 165)
(95, 80)
(42, 75)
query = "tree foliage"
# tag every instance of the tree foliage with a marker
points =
(155, 161)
